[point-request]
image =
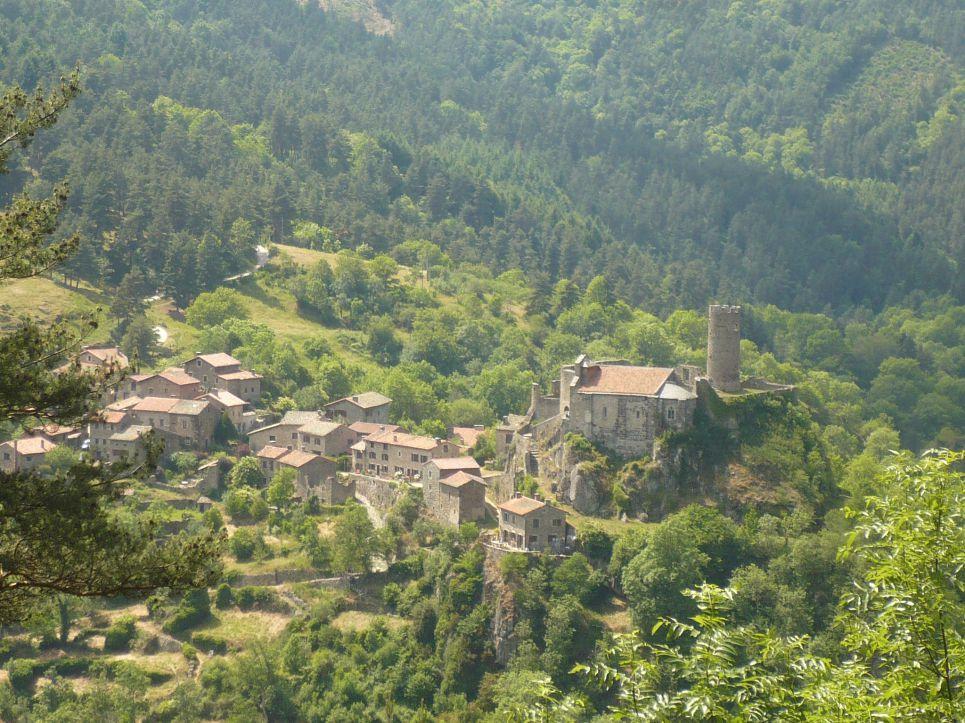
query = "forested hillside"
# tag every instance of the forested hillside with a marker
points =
(803, 155)
(436, 205)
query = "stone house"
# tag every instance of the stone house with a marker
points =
(227, 403)
(100, 429)
(365, 407)
(192, 421)
(172, 382)
(457, 498)
(397, 454)
(24, 454)
(326, 438)
(361, 430)
(468, 435)
(125, 445)
(92, 358)
(277, 435)
(207, 367)
(532, 525)
(223, 371)
(60, 434)
(244, 383)
(625, 408)
(310, 469)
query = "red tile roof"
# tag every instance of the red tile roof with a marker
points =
(218, 360)
(367, 428)
(461, 479)
(296, 458)
(365, 400)
(468, 435)
(522, 505)
(32, 445)
(177, 375)
(156, 404)
(242, 375)
(108, 354)
(455, 463)
(402, 439)
(270, 451)
(619, 379)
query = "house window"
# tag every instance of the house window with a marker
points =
(604, 412)
(423, 458)
(295, 436)
(385, 458)
(670, 413)
(271, 437)
(532, 539)
(557, 522)
(552, 539)
(505, 516)
(415, 458)
(638, 414)
(6, 455)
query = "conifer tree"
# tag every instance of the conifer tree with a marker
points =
(63, 533)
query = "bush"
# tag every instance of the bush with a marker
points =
(242, 544)
(209, 642)
(69, 666)
(257, 598)
(391, 594)
(22, 672)
(194, 608)
(189, 651)
(223, 597)
(15, 649)
(120, 634)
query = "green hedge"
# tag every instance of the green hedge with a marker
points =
(209, 642)
(120, 634)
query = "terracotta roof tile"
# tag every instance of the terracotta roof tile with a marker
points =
(296, 458)
(218, 360)
(33, 445)
(522, 505)
(403, 439)
(454, 463)
(468, 435)
(270, 451)
(365, 400)
(367, 428)
(177, 375)
(461, 479)
(156, 404)
(240, 375)
(619, 379)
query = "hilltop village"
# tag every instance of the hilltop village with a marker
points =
(349, 450)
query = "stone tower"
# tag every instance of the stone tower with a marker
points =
(724, 347)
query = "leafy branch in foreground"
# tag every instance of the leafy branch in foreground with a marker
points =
(63, 533)
(902, 653)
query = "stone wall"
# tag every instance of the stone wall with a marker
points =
(382, 494)
(280, 577)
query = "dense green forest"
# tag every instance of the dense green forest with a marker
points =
(459, 198)
(806, 156)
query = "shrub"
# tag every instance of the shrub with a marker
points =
(194, 608)
(120, 634)
(69, 666)
(22, 673)
(391, 594)
(243, 544)
(189, 651)
(209, 642)
(223, 597)
(257, 598)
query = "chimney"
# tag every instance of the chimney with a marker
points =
(355, 397)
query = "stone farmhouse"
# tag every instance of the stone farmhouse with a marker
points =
(24, 454)
(60, 434)
(223, 371)
(397, 454)
(305, 431)
(192, 421)
(310, 469)
(172, 382)
(92, 358)
(533, 525)
(365, 407)
(361, 430)
(233, 407)
(453, 490)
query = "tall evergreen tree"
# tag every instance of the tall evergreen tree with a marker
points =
(62, 533)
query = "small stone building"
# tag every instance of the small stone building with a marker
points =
(310, 469)
(24, 454)
(172, 382)
(458, 498)
(365, 407)
(532, 525)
